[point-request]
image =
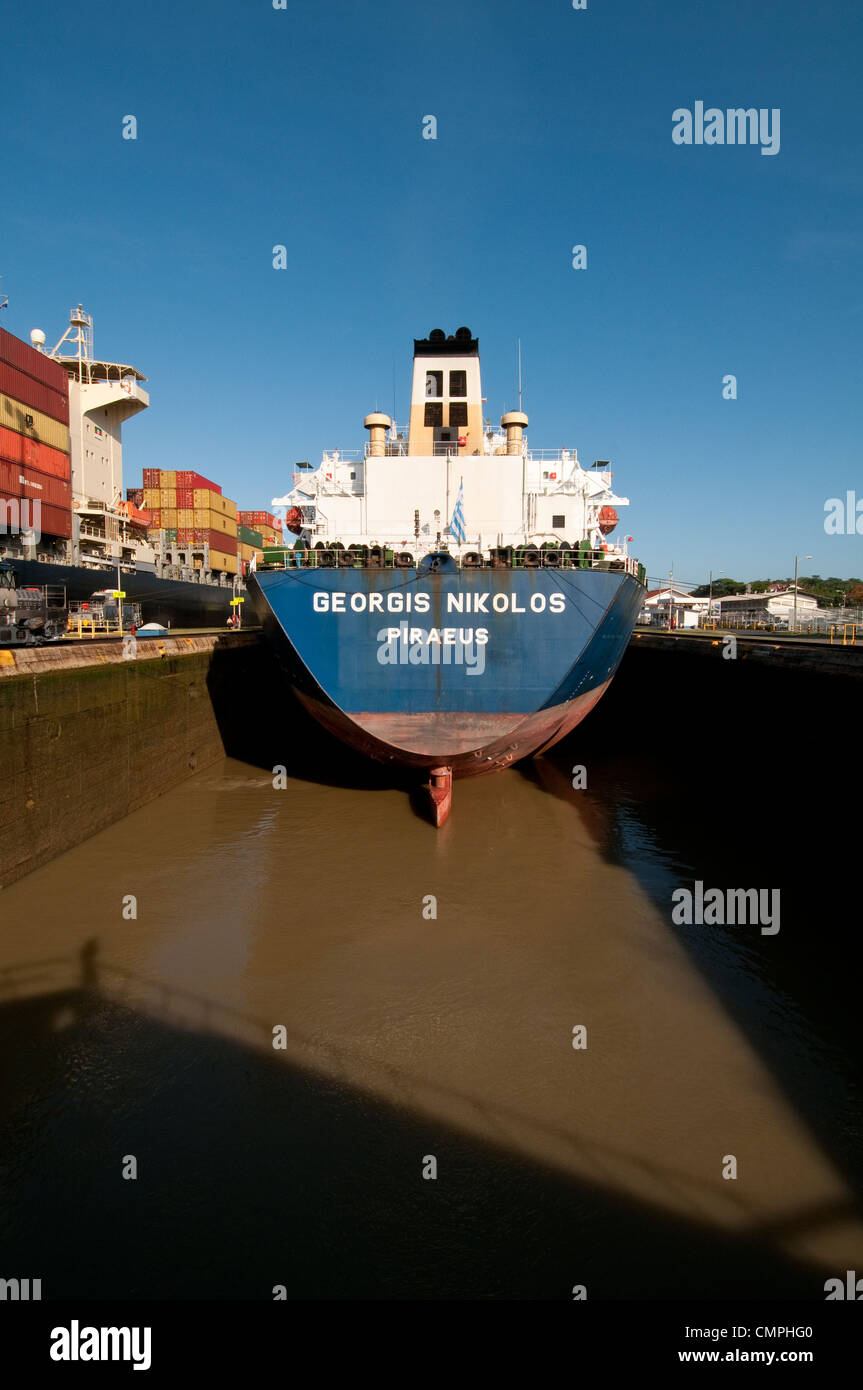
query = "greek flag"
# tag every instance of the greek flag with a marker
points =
(456, 526)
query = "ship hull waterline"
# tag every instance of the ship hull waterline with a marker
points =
(454, 674)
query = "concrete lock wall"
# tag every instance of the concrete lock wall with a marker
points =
(87, 736)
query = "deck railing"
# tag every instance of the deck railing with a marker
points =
(521, 557)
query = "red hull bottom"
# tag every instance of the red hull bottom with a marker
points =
(453, 745)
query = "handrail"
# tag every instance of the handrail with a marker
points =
(521, 557)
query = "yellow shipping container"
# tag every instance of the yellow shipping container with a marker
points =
(213, 521)
(151, 497)
(205, 497)
(169, 496)
(227, 563)
(185, 516)
(168, 477)
(43, 429)
(169, 518)
(216, 503)
(269, 534)
(246, 552)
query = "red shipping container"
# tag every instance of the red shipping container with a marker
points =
(51, 521)
(217, 540)
(25, 358)
(27, 391)
(20, 448)
(185, 497)
(155, 515)
(18, 481)
(56, 522)
(151, 477)
(193, 480)
(198, 536)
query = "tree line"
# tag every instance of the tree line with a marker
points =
(830, 593)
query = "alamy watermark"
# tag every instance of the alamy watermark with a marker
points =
(735, 126)
(77, 1343)
(719, 907)
(20, 1290)
(844, 516)
(419, 646)
(21, 517)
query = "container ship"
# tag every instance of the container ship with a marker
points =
(65, 521)
(451, 602)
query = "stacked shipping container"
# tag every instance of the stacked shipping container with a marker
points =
(269, 526)
(34, 434)
(250, 544)
(192, 513)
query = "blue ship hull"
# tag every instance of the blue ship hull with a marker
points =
(464, 671)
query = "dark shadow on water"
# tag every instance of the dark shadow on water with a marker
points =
(262, 723)
(739, 776)
(728, 772)
(253, 1171)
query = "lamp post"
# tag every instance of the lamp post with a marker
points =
(794, 620)
(710, 596)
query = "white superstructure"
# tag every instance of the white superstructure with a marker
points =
(102, 395)
(402, 492)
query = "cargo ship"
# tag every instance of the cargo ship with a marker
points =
(65, 521)
(452, 601)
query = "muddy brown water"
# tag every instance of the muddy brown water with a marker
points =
(427, 985)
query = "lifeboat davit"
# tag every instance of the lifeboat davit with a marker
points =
(294, 520)
(608, 519)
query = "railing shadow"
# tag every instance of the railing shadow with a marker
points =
(81, 987)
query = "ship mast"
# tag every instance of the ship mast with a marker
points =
(79, 337)
(519, 373)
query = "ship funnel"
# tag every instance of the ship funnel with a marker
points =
(377, 426)
(515, 423)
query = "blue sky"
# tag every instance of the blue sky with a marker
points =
(303, 127)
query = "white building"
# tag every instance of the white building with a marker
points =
(773, 605)
(687, 611)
